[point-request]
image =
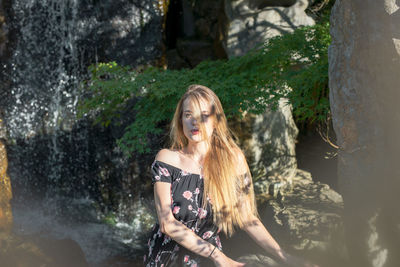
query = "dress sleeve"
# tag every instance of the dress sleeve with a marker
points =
(160, 173)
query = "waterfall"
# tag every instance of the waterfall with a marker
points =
(56, 40)
(46, 71)
(66, 173)
(45, 67)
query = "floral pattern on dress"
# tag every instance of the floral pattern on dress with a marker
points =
(188, 261)
(186, 206)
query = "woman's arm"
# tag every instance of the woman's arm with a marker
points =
(180, 233)
(257, 231)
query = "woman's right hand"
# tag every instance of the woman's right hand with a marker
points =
(221, 260)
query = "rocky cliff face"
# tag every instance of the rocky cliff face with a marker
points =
(271, 148)
(194, 32)
(364, 73)
(3, 30)
(252, 22)
(45, 61)
(5, 192)
(45, 49)
(77, 166)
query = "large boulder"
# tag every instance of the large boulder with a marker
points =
(35, 251)
(251, 22)
(305, 219)
(123, 236)
(270, 146)
(307, 216)
(364, 78)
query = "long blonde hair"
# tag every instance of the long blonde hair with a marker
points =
(230, 192)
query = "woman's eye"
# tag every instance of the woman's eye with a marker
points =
(187, 115)
(205, 116)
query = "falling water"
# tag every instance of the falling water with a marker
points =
(62, 167)
(45, 67)
(45, 76)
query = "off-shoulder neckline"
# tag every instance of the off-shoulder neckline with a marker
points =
(190, 173)
(175, 167)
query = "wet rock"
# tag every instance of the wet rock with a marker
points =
(129, 32)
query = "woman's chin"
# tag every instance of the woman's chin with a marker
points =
(196, 138)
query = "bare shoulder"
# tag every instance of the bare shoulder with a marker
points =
(168, 156)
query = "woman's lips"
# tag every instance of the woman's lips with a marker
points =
(195, 131)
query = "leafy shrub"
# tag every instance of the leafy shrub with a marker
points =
(293, 66)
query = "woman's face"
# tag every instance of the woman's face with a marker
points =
(191, 125)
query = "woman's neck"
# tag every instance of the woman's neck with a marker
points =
(197, 151)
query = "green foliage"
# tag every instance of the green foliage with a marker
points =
(110, 219)
(300, 61)
(293, 66)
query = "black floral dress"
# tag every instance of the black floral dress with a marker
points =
(187, 198)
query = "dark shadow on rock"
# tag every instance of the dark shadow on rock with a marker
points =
(306, 221)
(36, 251)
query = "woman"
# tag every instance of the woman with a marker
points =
(202, 185)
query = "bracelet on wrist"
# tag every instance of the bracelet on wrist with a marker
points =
(212, 252)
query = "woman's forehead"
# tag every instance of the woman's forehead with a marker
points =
(191, 104)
